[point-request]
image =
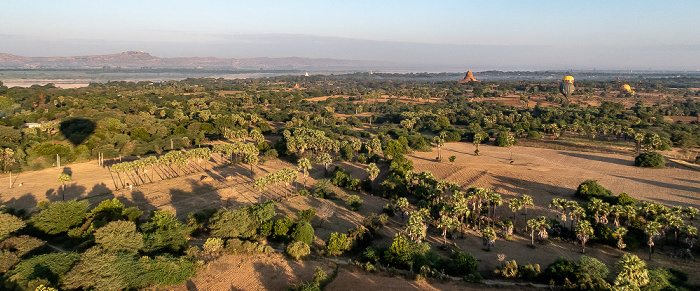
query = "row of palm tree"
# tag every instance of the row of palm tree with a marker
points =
(136, 170)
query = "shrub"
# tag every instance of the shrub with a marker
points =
(267, 228)
(625, 199)
(119, 236)
(649, 160)
(399, 253)
(591, 273)
(58, 217)
(213, 245)
(372, 254)
(560, 271)
(452, 159)
(319, 275)
(271, 153)
(48, 268)
(303, 192)
(529, 272)
(323, 189)
(534, 135)
(303, 232)
(591, 189)
(359, 237)
(298, 250)
(230, 223)
(354, 202)
(307, 214)
(282, 228)
(164, 232)
(509, 269)
(237, 246)
(337, 244)
(464, 263)
(8, 224)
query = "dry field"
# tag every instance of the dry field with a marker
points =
(542, 173)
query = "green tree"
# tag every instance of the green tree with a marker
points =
(303, 232)
(488, 235)
(119, 236)
(619, 233)
(9, 224)
(591, 274)
(304, 165)
(447, 223)
(652, 230)
(64, 179)
(298, 250)
(399, 253)
(164, 232)
(584, 231)
(60, 216)
(373, 171)
(8, 161)
(231, 223)
(337, 244)
(252, 160)
(633, 273)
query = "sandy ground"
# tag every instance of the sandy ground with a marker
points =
(542, 173)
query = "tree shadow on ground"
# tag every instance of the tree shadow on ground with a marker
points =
(202, 196)
(272, 282)
(21, 202)
(599, 158)
(662, 184)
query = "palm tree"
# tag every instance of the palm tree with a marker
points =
(515, 204)
(495, 200)
(533, 224)
(583, 232)
(633, 273)
(64, 179)
(326, 160)
(543, 226)
(691, 213)
(652, 230)
(447, 222)
(460, 207)
(619, 233)
(478, 138)
(526, 201)
(617, 210)
(304, 165)
(489, 237)
(560, 206)
(252, 160)
(373, 171)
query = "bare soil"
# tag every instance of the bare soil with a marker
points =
(542, 173)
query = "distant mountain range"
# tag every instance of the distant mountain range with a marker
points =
(143, 60)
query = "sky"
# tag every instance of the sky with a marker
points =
(423, 35)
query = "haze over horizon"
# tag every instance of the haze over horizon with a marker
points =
(445, 36)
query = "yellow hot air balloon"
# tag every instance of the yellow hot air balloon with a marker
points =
(567, 87)
(624, 89)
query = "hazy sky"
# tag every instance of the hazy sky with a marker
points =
(445, 35)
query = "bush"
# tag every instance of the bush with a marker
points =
(452, 159)
(464, 263)
(534, 135)
(49, 268)
(213, 245)
(303, 232)
(625, 199)
(399, 253)
(230, 223)
(591, 189)
(307, 215)
(354, 202)
(237, 246)
(282, 228)
(58, 217)
(119, 236)
(591, 274)
(323, 189)
(337, 244)
(649, 160)
(298, 249)
(359, 237)
(529, 272)
(509, 269)
(560, 271)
